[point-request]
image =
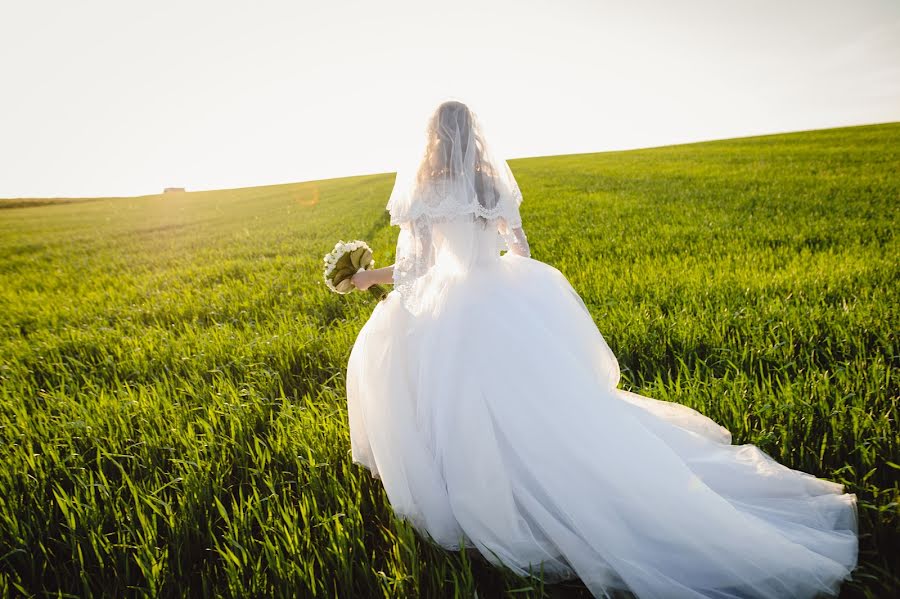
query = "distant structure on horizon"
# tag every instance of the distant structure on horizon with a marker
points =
(173, 190)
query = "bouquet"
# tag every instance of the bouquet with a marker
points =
(344, 261)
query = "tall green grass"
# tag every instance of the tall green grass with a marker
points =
(172, 407)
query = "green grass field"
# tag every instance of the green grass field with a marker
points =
(172, 407)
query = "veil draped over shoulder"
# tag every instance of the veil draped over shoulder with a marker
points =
(452, 177)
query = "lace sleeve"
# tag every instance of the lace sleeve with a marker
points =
(514, 236)
(414, 256)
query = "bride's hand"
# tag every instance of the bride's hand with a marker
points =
(361, 280)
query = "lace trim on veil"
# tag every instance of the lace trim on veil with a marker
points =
(437, 202)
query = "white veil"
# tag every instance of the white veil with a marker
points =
(452, 175)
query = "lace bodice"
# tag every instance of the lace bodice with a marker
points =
(453, 244)
(454, 239)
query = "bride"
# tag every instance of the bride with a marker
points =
(483, 396)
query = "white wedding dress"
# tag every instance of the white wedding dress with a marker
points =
(494, 421)
(483, 396)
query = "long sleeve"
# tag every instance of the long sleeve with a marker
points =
(414, 256)
(515, 239)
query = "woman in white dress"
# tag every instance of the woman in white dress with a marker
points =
(482, 394)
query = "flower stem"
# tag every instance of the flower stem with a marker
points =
(378, 291)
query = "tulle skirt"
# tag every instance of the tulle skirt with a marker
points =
(493, 421)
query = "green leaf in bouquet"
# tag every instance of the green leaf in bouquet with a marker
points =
(345, 285)
(340, 274)
(366, 258)
(343, 262)
(356, 256)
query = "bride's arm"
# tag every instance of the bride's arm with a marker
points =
(415, 253)
(515, 239)
(377, 276)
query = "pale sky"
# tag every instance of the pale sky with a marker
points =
(125, 97)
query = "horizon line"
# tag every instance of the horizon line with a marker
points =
(510, 159)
